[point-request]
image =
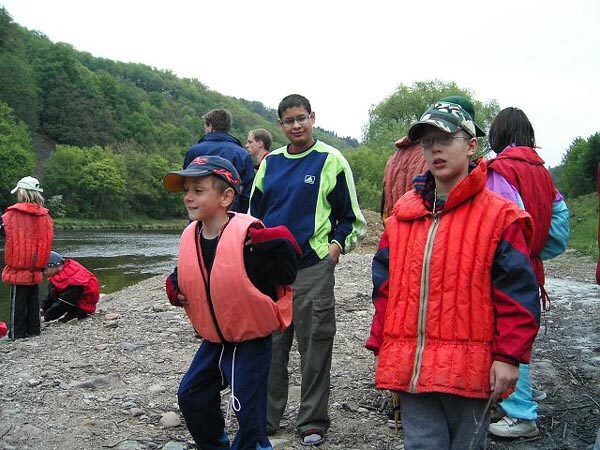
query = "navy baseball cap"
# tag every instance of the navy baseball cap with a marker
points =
(203, 166)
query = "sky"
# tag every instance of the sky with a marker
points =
(346, 56)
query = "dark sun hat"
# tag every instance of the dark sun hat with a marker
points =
(203, 166)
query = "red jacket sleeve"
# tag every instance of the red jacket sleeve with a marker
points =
(380, 272)
(516, 299)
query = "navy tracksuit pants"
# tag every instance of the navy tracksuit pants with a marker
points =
(244, 367)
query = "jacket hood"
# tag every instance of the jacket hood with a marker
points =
(29, 208)
(464, 190)
(220, 136)
(527, 154)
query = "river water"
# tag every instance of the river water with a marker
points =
(117, 258)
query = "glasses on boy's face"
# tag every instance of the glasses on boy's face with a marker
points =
(444, 140)
(289, 122)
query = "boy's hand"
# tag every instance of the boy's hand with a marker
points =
(182, 300)
(335, 251)
(375, 362)
(503, 376)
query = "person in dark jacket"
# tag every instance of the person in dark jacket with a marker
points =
(217, 141)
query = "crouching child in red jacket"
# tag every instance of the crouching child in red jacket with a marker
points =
(232, 278)
(456, 300)
(73, 290)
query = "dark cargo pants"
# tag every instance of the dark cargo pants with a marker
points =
(314, 326)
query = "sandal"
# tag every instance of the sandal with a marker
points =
(312, 437)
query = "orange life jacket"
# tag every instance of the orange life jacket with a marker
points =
(235, 310)
(439, 322)
(29, 233)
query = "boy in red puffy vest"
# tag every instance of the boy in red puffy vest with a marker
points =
(456, 307)
(232, 278)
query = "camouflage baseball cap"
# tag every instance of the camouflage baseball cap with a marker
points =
(448, 116)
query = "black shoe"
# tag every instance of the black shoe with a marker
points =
(393, 415)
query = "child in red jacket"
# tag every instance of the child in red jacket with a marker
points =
(29, 231)
(73, 290)
(455, 297)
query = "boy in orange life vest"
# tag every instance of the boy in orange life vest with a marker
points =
(456, 305)
(232, 278)
(29, 232)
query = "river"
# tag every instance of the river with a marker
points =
(119, 258)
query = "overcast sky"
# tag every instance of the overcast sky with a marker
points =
(541, 56)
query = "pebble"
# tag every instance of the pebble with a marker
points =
(170, 420)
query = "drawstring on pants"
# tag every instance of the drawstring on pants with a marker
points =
(233, 403)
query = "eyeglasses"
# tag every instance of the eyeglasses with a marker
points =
(443, 141)
(290, 121)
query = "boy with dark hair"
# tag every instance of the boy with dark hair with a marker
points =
(218, 120)
(518, 174)
(217, 141)
(232, 279)
(307, 186)
(73, 291)
(455, 297)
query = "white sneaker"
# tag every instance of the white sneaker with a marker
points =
(511, 427)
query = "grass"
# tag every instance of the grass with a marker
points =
(584, 224)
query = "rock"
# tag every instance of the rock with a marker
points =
(172, 445)
(111, 316)
(170, 420)
(129, 445)
(127, 346)
(136, 412)
(157, 389)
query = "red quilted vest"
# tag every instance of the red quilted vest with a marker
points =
(439, 323)
(406, 163)
(29, 234)
(524, 169)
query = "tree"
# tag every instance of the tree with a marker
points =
(578, 170)
(391, 119)
(17, 157)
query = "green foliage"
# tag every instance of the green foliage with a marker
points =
(578, 173)
(17, 157)
(390, 120)
(367, 167)
(584, 224)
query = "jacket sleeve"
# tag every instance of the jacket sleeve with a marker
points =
(515, 299)
(350, 223)
(500, 185)
(172, 288)
(560, 229)
(247, 177)
(275, 254)
(380, 272)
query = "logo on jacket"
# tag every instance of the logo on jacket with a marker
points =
(309, 179)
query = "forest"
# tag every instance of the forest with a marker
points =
(101, 134)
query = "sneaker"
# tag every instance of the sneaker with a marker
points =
(393, 415)
(497, 414)
(537, 395)
(511, 427)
